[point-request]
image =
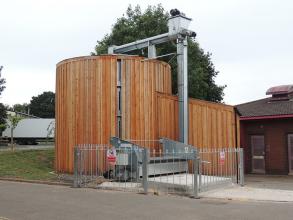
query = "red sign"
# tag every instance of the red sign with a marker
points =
(222, 157)
(111, 155)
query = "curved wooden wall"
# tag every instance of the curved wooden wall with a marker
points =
(86, 101)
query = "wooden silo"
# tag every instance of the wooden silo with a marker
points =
(87, 97)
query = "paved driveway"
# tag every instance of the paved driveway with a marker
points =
(36, 201)
(269, 182)
(258, 187)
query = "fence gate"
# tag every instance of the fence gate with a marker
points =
(156, 166)
(219, 167)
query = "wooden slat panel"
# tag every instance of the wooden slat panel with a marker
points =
(211, 125)
(85, 96)
(140, 81)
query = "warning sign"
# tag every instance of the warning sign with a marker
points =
(111, 155)
(222, 157)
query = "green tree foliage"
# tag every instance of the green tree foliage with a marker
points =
(3, 114)
(137, 25)
(43, 105)
(2, 81)
(21, 108)
(13, 121)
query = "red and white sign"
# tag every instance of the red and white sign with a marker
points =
(222, 157)
(111, 155)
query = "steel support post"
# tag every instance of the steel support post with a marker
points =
(199, 172)
(195, 174)
(182, 79)
(152, 51)
(76, 183)
(241, 167)
(145, 161)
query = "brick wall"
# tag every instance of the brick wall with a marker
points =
(275, 133)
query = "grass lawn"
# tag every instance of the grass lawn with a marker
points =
(28, 164)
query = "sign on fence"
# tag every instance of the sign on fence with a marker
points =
(111, 155)
(222, 157)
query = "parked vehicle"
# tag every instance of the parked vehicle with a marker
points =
(30, 130)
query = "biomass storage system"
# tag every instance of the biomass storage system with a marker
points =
(98, 97)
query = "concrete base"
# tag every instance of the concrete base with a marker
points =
(258, 187)
(171, 183)
(250, 193)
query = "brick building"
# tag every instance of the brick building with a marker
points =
(266, 131)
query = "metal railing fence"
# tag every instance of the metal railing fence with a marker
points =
(93, 167)
(156, 166)
(219, 167)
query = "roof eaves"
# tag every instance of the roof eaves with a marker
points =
(246, 118)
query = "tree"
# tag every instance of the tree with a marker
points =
(136, 25)
(24, 108)
(13, 121)
(2, 81)
(43, 105)
(50, 131)
(3, 114)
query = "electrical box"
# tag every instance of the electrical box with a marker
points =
(122, 159)
(178, 23)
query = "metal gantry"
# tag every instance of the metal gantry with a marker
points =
(178, 30)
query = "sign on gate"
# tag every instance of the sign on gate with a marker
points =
(222, 157)
(111, 155)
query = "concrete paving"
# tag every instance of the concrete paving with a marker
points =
(250, 193)
(179, 181)
(186, 179)
(258, 187)
(35, 201)
(269, 182)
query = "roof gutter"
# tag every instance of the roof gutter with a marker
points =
(246, 118)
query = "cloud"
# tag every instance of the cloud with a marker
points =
(251, 41)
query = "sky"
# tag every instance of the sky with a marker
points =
(250, 41)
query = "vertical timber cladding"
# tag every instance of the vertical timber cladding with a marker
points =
(88, 103)
(85, 105)
(139, 98)
(211, 125)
